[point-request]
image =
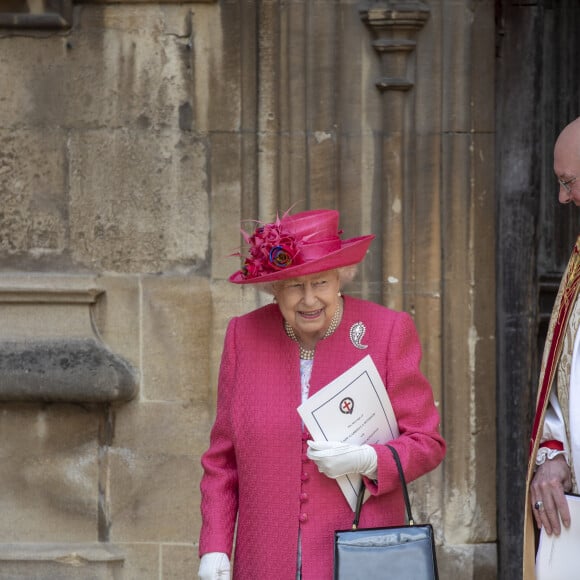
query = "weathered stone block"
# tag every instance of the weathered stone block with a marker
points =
(468, 561)
(156, 500)
(143, 562)
(157, 428)
(117, 313)
(216, 43)
(141, 52)
(33, 216)
(227, 221)
(151, 218)
(49, 478)
(177, 314)
(228, 300)
(179, 561)
(155, 472)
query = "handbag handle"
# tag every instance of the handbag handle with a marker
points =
(361, 493)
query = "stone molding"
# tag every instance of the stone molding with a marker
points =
(50, 349)
(57, 16)
(394, 27)
(72, 554)
(67, 561)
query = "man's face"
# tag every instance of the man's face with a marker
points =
(567, 168)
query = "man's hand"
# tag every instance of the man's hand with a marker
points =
(549, 505)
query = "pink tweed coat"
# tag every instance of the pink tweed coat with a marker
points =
(256, 472)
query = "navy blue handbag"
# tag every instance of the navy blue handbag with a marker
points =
(406, 552)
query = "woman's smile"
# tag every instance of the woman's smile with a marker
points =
(312, 314)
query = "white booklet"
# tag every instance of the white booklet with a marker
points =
(353, 408)
(558, 557)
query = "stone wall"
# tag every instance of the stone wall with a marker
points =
(135, 137)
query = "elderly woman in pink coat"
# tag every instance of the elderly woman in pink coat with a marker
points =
(270, 501)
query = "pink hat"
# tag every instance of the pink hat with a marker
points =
(297, 245)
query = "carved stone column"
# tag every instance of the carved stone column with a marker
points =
(394, 26)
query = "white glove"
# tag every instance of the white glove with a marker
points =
(214, 566)
(335, 459)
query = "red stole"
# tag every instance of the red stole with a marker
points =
(568, 298)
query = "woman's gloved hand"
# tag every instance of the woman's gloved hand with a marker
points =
(214, 566)
(335, 459)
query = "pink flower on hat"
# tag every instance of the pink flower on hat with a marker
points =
(271, 248)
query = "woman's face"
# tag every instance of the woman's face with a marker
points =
(308, 303)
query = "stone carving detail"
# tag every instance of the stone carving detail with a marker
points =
(49, 350)
(36, 14)
(78, 370)
(394, 26)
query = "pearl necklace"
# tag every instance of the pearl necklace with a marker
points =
(306, 353)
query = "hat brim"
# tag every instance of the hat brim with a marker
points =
(351, 252)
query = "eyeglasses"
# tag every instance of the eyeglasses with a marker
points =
(566, 184)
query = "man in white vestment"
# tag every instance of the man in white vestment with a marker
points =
(554, 466)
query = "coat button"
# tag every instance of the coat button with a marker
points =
(303, 497)
(303, 517)
(304, 477)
